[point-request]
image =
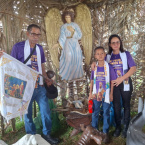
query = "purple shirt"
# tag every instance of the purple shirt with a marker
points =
(116, 63)
(100, 81)
(18, 53)
(101, 69)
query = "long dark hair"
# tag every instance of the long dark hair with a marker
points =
(121, 45)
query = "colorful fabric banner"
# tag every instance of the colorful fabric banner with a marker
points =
(17, 83)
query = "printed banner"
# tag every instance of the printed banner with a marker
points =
(118, 66)
(101, 85)
(17, 83)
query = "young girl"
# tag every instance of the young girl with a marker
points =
(122, 62)
(100, 91)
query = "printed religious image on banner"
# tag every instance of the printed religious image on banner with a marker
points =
(118, 66)
(14, 87)
(101, 91)
(119, 73)
(101, 85)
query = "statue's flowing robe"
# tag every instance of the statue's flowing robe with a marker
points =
(71, 57)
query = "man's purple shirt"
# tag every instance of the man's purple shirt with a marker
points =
(18, 52)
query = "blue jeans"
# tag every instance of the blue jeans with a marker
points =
(106, 115)
(39, 95)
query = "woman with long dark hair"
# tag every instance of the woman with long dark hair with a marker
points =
(122, 62)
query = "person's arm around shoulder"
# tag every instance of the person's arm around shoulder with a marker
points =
(93, 65)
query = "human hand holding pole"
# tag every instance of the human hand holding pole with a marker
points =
(50, 80)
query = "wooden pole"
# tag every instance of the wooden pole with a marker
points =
(34, 109)
(2, 125)
(13, 121)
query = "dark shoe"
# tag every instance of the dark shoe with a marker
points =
(49, 139)
(105, 138)
(117, 131)
(124, 132)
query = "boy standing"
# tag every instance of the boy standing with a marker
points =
(102, 76)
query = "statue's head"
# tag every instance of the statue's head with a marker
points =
(76, 97)
(68, 16)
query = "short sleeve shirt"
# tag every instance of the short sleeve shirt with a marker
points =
(116, 63)
(100, 81)
(18, 53)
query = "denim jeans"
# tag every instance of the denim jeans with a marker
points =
(106, 115)
(39, 95)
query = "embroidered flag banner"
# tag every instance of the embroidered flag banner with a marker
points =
(17, 83)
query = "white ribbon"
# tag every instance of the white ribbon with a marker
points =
(27, 53)
(123, 57)
(107, 79)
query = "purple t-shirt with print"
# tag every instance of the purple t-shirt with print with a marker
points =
(116, 63)
(18, 53)
(100, 81)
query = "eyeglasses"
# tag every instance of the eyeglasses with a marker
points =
(35, 35)
(113, 43)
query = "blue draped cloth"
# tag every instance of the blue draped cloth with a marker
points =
(70, 66)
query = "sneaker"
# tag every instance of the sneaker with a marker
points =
(124, 132)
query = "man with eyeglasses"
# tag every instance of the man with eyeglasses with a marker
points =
(21, 51)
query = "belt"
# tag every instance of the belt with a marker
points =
(68, 37)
